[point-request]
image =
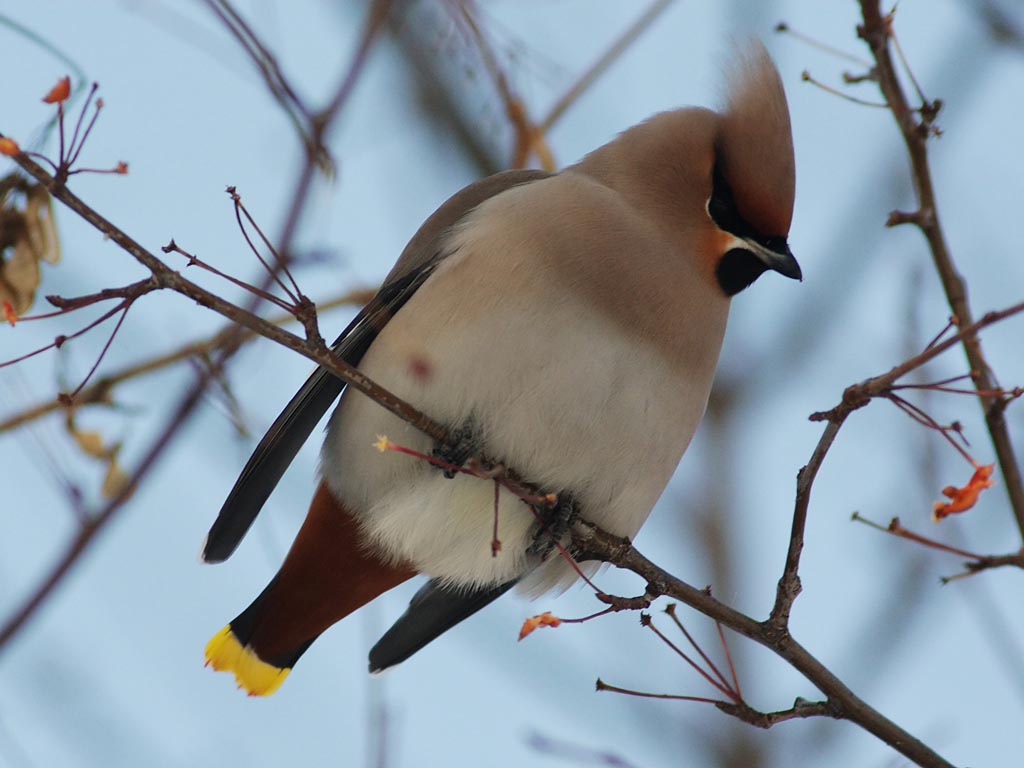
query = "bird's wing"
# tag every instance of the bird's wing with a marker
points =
(433, 610)
(277, 449)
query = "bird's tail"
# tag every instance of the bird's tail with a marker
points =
(327, 574)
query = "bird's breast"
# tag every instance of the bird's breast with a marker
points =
(553, 387)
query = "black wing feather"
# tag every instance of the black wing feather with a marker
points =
(292, 428)
(433, 610)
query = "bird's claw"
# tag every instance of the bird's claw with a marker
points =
(460, 444)
(555, 523)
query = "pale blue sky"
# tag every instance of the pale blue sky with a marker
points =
(110, 672)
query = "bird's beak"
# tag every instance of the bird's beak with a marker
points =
(775, 254)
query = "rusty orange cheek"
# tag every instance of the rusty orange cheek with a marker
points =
(713, 245)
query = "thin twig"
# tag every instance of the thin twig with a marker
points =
(103, 353)
(280, 88)
(670, 610)
(599, 67)
(728, 659)
(789, 583)
(601, 685)
(860, 394)
(58, 342)
(785, 28)
(723, 686)
(842, 702)
(975, 564)
(895, 528)
(807, 77)
(195, 261)
(293, 292)
(99, 391)
(924, 419)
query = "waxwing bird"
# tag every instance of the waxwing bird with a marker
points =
(567, 325)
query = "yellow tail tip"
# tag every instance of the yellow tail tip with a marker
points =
(256, 677)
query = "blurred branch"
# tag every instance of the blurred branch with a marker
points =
(445, 84)
(530, 136)
(278, 85)
(100, 390)
(321, 121)
(577, 754)
(1002, 26)
(92, 523)
(916, 125)
(599, 67)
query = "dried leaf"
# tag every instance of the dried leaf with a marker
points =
(91, 443)
(546, 619)
(962, 499)
(59, 92)
(28, 236)
(116, 479)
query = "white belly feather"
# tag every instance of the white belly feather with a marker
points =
(560, 392)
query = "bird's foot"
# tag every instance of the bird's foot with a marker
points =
(460, 445)
(554, 524)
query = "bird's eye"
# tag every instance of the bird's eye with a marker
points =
(723, 211)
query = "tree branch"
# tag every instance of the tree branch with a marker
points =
(915, 127)
(168, 278)
(842, 702)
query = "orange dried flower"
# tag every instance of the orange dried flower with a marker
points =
(962, 499)
(9, 314)
(59, 92)
(546, 619)
(9, 147)
(122, 167)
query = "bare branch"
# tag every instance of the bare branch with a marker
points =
(167, 278)
(915, 127)
(800, 709)
(843, 703)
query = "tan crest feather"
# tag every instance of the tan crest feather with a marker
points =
(755, 148)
